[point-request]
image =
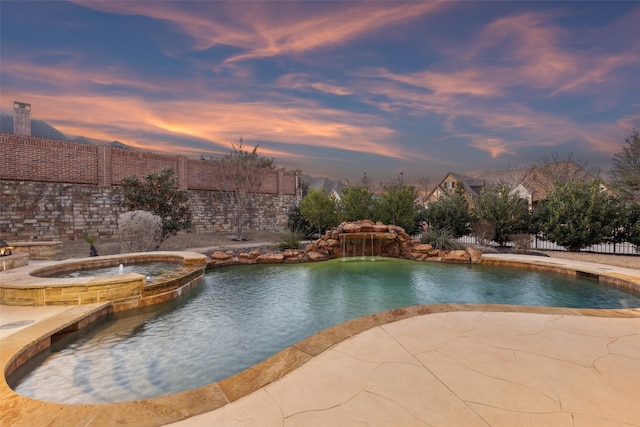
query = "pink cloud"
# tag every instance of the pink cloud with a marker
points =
(597, 70)
(267, 29)
(215, 117)
(465, 82)
(304, 82)
(494, 146)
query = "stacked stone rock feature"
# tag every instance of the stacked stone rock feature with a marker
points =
(349, 239)
(366, 238)
(361, 238)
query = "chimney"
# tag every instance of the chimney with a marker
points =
(21, 118)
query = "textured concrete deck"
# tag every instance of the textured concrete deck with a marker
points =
(459, 369)
(457, 365)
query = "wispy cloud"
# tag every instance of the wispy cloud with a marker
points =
(521, 55)
(598, 70)
(465, 82)
(305, 82)
(267, 29)
(334, 81)
(212, 116)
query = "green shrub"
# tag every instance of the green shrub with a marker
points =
(441, 238)
(158, 194)
(577, 214)
(290, 239)
(140, 231)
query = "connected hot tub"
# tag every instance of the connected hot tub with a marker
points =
(53, 283)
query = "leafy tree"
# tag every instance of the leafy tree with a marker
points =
(626, 168)
(619, 226)
(575, 215)
(357, 203)
(319, 209)
(239, 176)
(505, 210)
(397, 206)
(625, 222)
(158, 194)
(451, 213)
(632, 224)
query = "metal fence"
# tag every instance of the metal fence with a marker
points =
(538, 243)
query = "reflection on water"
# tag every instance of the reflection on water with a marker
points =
(242, 315)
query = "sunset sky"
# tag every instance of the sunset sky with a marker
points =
(334, 88)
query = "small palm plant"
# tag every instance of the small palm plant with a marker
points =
(92, 249)
(440, 238)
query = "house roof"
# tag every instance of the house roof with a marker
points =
(504, 175)
(537, 180)
(471, 185)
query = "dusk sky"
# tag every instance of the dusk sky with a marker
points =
(334, 88)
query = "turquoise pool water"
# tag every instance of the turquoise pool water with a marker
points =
(242, 315)
(149, 268)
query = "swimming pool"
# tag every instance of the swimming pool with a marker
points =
(241, 315)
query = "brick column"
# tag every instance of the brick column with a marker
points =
(181, 172)
(105, 176)
(280, 182)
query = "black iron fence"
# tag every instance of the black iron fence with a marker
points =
(538, 243)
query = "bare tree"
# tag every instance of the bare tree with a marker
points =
(562, 169)
(365, 181)
(240, 178)
(512, 178)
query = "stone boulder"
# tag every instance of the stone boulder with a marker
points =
(475, 255)
(457, 257)
(270, 259)
(220, 256)
(423, 248)
(316, 256)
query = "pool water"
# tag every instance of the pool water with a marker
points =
(152, 269)
(241, 315)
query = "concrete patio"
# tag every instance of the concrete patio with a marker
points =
(459, 369)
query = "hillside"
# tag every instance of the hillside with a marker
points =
(42, 129)
(39, 128)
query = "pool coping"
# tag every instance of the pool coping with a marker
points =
(24, 287)
(21, 410)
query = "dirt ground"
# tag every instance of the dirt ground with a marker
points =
(207, 242)
(198, 242)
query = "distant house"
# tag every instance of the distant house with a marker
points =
(333, 188)
(471, 187)
(532, 184)
(335, 194)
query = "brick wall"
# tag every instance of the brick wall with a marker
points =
(47, 160)
(26, 158)
(52, 190)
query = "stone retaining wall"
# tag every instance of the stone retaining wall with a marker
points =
(31, 211)
(61, 190)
